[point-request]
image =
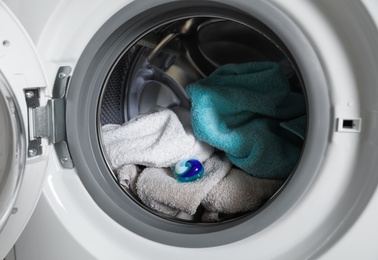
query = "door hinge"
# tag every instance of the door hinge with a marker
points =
(49, 121)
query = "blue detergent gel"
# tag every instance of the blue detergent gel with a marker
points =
(188, 170)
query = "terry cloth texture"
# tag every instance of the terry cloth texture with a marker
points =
(239, 192)
(160, 190)
(127, 176)
(157, 139)
(239, 109)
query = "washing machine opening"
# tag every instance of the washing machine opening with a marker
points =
(224, 92)
(160, 62)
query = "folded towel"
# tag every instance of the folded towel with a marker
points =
(157, 139)
(159, 189)
(239, 108)
(127, 176)
(296, 126)
(239, 192)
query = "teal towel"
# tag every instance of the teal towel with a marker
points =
(249, 111)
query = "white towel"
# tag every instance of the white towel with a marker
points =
(239, 192)
(157, 139)
(160, 190)
(127, 177)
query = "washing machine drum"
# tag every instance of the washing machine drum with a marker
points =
(147, 79)
(134, 96)
(149, 87)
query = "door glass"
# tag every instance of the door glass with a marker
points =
(12, 150)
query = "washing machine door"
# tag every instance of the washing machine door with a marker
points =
(23, 158)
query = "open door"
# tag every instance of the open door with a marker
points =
(22, 167)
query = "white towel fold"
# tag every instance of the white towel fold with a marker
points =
(239, 192)
(160, 190)
(157, 139)
(127, 176)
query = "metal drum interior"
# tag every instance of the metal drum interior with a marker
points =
(157, 67)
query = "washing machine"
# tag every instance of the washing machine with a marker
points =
(67, 68)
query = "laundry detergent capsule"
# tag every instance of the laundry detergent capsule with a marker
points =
(188, 170)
